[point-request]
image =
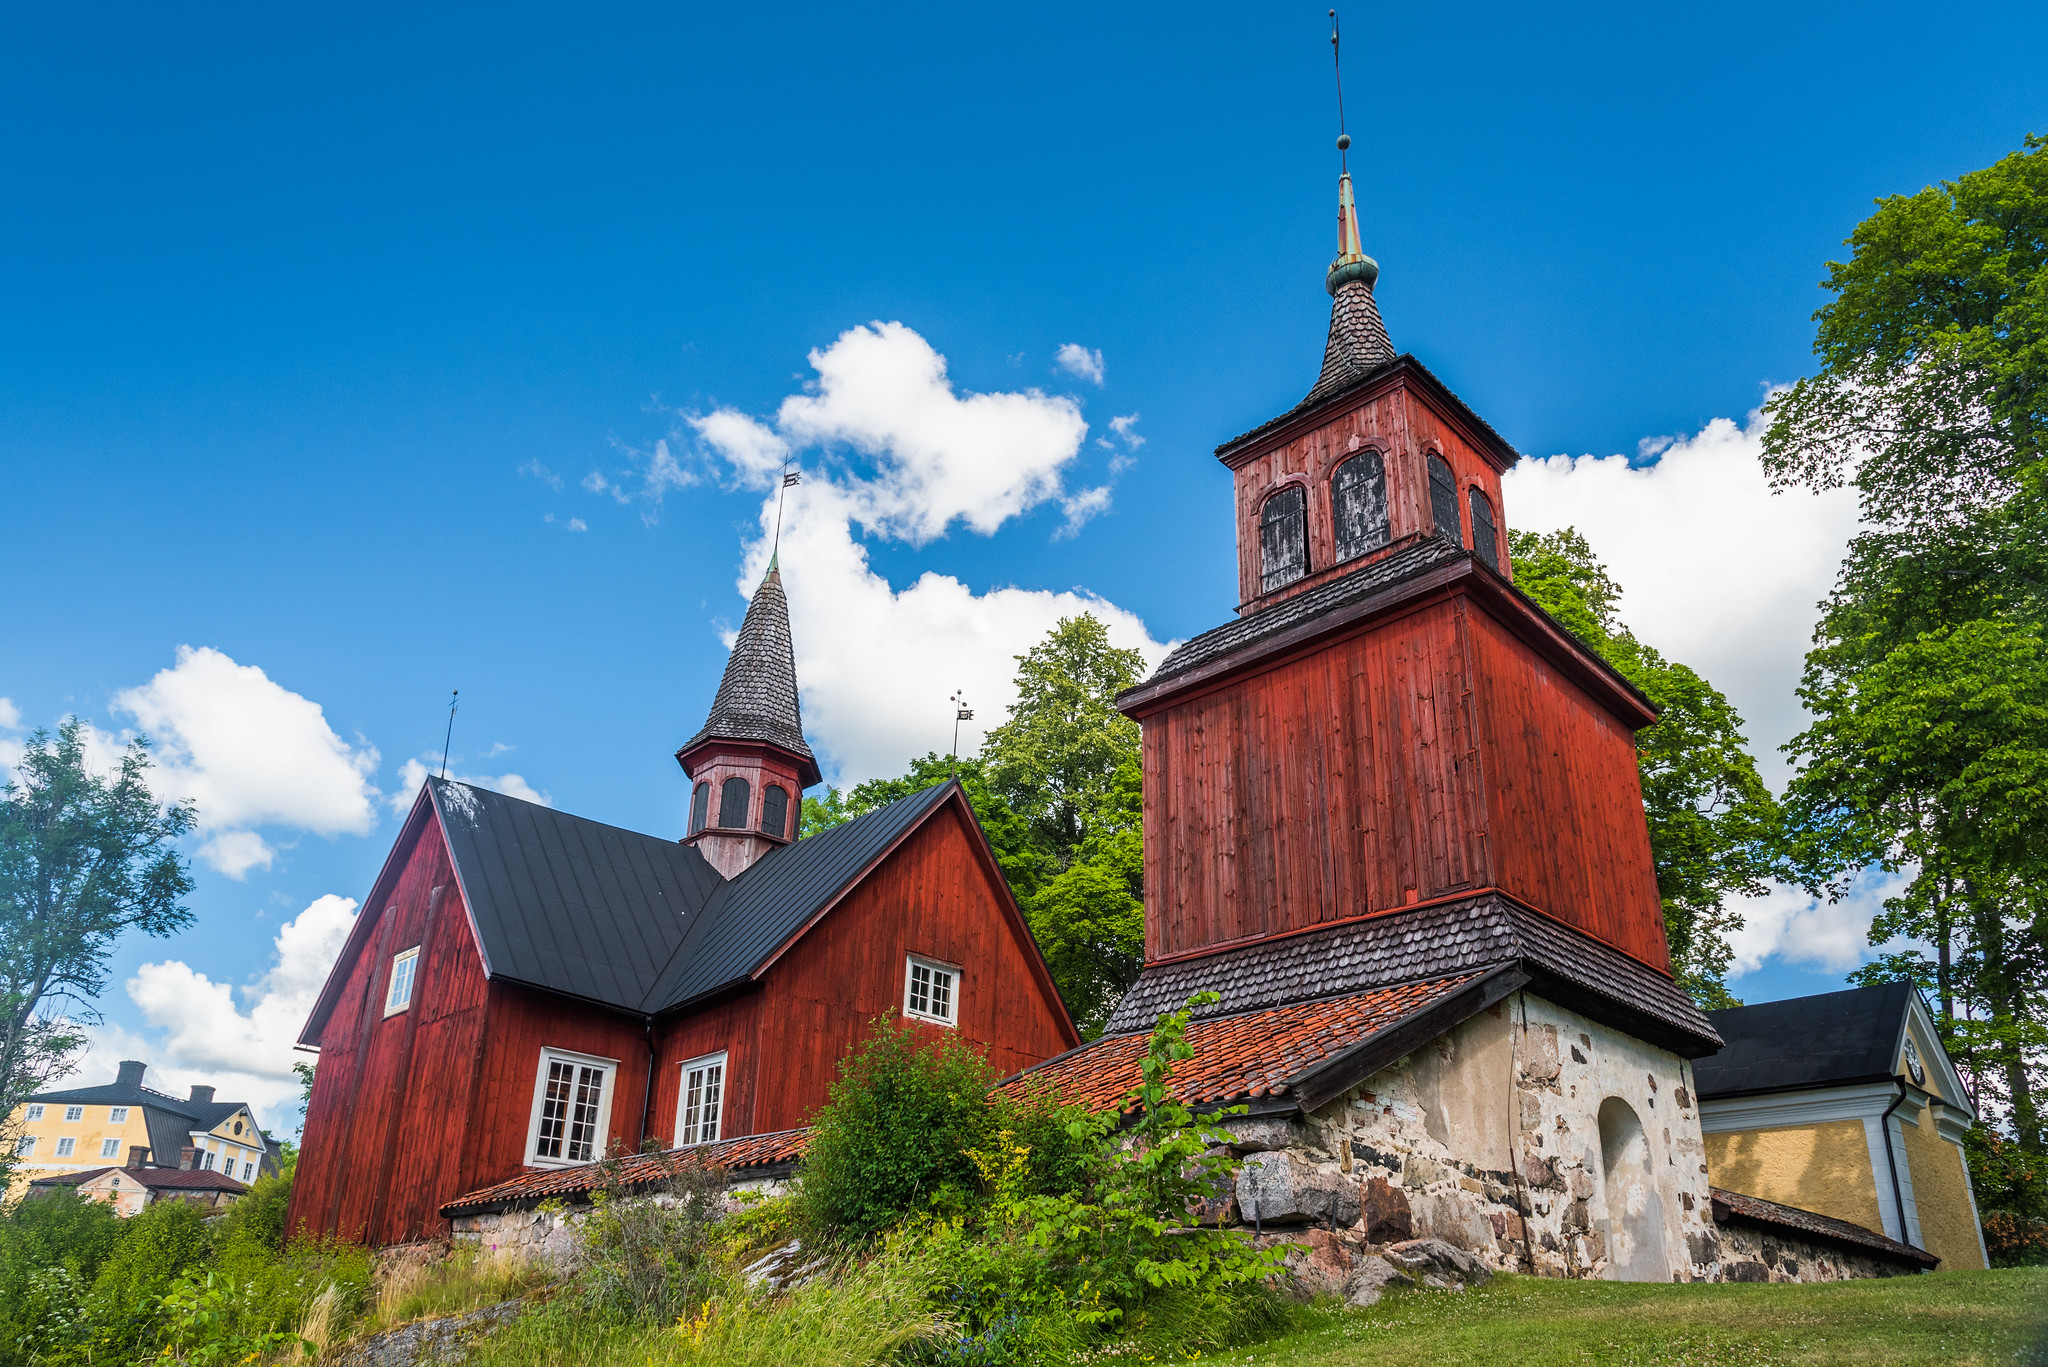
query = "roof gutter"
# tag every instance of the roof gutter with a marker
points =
(1891, 1160)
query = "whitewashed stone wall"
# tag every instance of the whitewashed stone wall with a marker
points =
(1490, 1138)
(549, 1231)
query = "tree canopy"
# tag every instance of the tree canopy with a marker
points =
(83, 859)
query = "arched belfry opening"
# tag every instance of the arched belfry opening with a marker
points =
(1631, 1218)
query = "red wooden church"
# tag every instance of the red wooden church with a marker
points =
(528, 990)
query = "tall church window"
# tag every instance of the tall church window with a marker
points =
(1443, 500)
(1358, 499)
(700, 807)
(1485, 538)
(1283, 540)
(775, 810)
(732, 804)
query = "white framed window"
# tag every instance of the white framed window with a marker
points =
(24, 1146)
(110, 1148)
(931, 991)
(700, 1105)
(65, 1146)
(210, 1157)
(572, 1108)
(35, 1113)
(117, 1115)
(248, 1171)
(74, 1112)
(399, 995)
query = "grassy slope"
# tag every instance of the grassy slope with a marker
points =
(1953, 1319)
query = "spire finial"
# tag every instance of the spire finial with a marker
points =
(1358, 342)
(1352, 263)
(1337, 62)
(789, 477)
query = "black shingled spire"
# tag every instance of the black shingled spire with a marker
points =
(757, 698)
(1358, 342)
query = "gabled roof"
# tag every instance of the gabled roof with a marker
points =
(157, 1179)
(636, 923)
(757, 698)
(751, 918)
(568, 904)
(1833, 1039)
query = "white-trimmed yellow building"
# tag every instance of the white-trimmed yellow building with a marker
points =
(82, 1129)
(1845, 1104)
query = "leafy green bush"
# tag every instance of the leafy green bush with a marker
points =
(649, 1259)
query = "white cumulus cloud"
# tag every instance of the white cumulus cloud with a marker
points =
(1789, 925)
(414, 772)
(197, 1031)
(1716, 570)
(877, 664)
(250, 753)
(1080, 362)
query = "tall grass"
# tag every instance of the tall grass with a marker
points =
(466, 1277)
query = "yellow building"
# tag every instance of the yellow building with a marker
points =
(87, 1129)
(1847, 1105)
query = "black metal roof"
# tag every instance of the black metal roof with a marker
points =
(565, 903)
(778, 894)
(638, 922)
(1464, 936)
(1831, 1039)
(757, 698)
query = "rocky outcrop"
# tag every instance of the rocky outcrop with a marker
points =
(423, 1342)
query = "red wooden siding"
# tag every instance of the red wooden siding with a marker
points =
(1404, 427)
(933, 896)
(386, 1114)
(1361, 775)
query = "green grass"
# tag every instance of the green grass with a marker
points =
(1950, 1318)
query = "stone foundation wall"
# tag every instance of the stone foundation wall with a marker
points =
(1531, 1137)
(1750, 1253)
(549, 1231)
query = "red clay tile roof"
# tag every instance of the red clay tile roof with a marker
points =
(1733, 1205)
(634, 1171)
(156, 1179)
(1244, 1057)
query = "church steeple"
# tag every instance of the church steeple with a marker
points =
(749, 764)
(1358, 342)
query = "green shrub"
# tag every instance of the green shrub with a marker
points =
(893, 1139)
(649, 1259)
(155, 1249)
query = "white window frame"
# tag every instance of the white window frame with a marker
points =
(550, 1055)
(110, 1148)
(73, 1113)
(35, 1112)
(409, 960)
(696, 1132)
(24, 1146)
(248, 1170)
(66, 1146)
(117, 1115)
(954, 974)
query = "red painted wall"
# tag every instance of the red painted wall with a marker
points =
(1421, 755)
(933, 896)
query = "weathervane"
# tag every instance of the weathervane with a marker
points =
(453, 694)
(1337, 63)
(961, 712)
(789, 477)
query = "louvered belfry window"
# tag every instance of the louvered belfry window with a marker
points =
(1485, 536)
(1358, 499)
(700, 807)
(732, 804)
(775, 810)
(1283, 540)
(1443, 500)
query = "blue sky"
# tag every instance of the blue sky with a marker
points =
(319, 326)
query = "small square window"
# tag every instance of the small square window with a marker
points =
(35, 1113)
(24, 1146)
(931, 991)
(399, 996)
(110, 1148)
(65, 1146)
(74, 1112)
(700, 1106)
(117, 1115)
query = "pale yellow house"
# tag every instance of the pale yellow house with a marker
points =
(1845, 1104)
(83, 1129)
